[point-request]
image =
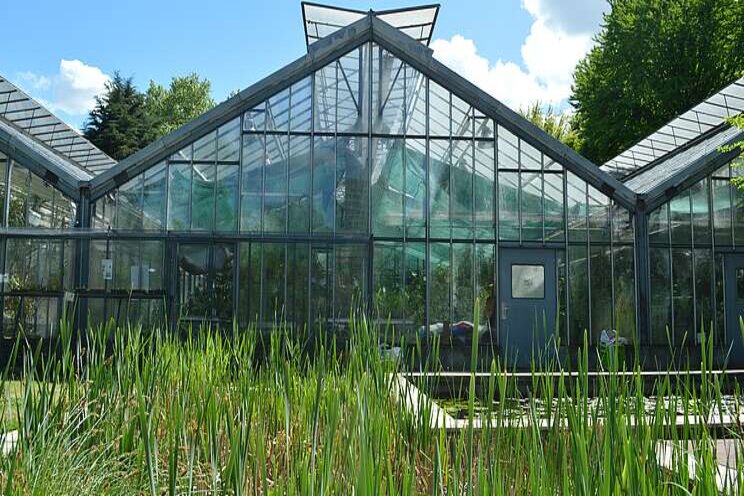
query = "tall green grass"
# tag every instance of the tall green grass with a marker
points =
(134, 411)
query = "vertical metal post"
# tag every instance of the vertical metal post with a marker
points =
(643, 274)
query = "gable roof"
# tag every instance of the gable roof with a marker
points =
(681, 130)
(28, 115)
(324, 51)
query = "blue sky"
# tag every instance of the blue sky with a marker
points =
(518, 50)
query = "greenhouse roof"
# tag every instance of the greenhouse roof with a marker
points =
(46, 162)
(688, 166)
(323, 20)
(32, 118)
(371, 27)
(683, 129)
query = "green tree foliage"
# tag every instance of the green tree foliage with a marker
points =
(653, 60)
(120, 123)
(125, 119)
(555, 124)
(185, 99)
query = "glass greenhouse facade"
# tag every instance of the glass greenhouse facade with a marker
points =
(367, 175)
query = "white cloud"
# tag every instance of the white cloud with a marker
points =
(77, 86)
(33, 81)
(72, 90)
(561, 34)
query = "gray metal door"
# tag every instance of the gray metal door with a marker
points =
(527, 309)
(734, 300)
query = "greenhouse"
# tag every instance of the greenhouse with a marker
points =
(367, 175)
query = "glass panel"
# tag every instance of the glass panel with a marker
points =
(553, 207)
(252, 190)
(33, 265)
(154, 199)
(390, 294)
(255, 119)
(462, 190)
(65, 210)
(578, 276)
(226, 198)
(388, 92)
(679, 219)
(463, 291)
(205, 148)
(462, 117)
(439, 188)
(484, 190)
(202, 197)
(415, 102)
(249, 294)
(277, 112)
(272, 286)
(529, 157)
(352, 185)
(508, 205)
(129, 205)
(661, 308)
(415, 287)
(351, 282)
(682, 292)
(722, 211)
(19, 184)
(151, 269)
(598, 208)
(301, 105)
(704, 291)
(624, 277)
(485, 262)
(98, 253)
(325, 99)
(720, 309)
(275, 180)
(439, 111)
(126, 255)
(658, 225)
(223, 273)
(576, 208)
(324, 180)
(388, 187)
(104, 211)
(441, 283)
(179, 181)
(299, 184)
(601, 266)
(228, 141)
(528, 282)
(531, 205)
(622, 225)
(701, 213)
(184, 154)
(40, 203)
(508, 146)
(193, 287)
(321, 290)
(415, 197)
(297, 284)
(353, 91)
